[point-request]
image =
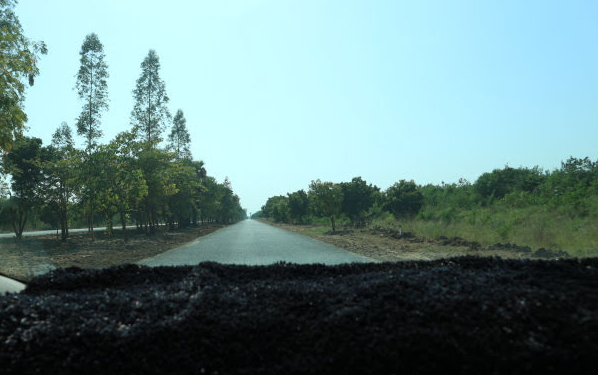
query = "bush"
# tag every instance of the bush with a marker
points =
(403, 199)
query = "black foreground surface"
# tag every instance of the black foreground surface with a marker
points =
(463, 315)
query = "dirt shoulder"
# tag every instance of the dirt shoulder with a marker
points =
(387, 245)
(35, 255)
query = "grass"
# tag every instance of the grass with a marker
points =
(534, 226)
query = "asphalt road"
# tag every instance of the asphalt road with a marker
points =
(253, 243)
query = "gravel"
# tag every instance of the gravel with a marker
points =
(466, 315)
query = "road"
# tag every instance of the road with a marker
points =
(253, 243)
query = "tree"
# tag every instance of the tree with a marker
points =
(208, 199)
(298, 205)
(183, 204)
(23, 162)
(155, 165)
(92, 87)
(150, 113)
(18, 59)
(124, 186)
(277, 208)
(500, 182)
(358, 197)
(60, 162)
(148, 118)
(327, 199)
(179, 139)
(403, 199)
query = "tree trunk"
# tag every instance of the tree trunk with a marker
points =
(62, 227)
(333, 223)
(93, 237)
(123, 222)
(22, 221)
(109, 226)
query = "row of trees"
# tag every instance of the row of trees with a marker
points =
(569, 187)
(134, 177)
(354, 200)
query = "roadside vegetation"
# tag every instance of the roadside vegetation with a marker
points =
(138, 178)
(530, 207)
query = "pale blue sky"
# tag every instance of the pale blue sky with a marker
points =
(277, 93)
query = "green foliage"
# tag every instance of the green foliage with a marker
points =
(358, 198)
(277, 208)
(326, 199)
(132, 177)
(92, 88)
(298, 203)
(403, 199)
(150, 114)
(217, 202)
(124, 186)
(258, 215)
(501, 182)
(179, 139)
(553, 209)
(18, 59)
(23, 163)
(61, 160)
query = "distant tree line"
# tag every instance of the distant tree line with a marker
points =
(133, 179)
(569, 188)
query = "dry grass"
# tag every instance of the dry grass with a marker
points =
(382, 247)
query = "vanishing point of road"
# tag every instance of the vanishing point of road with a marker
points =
(253, 243)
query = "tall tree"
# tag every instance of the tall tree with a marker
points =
(179, 139)
(150, 114)
(18, 59)
(92, 88)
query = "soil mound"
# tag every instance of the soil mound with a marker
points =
(510, 247)
(466, 315)
(458, 241)
(547, 253)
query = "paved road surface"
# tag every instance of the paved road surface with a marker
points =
(254, 243)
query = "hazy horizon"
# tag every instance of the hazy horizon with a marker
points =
(279, 93)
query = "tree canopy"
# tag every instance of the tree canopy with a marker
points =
(18, 59)
(150, 113)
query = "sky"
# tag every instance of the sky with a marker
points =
(277, 93)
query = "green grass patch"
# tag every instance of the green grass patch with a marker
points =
(317, 231)
(533, 226)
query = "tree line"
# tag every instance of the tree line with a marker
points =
(134, 178)
(572, 189)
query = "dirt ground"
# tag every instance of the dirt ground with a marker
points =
(387, 245)
(466, 315)
(35, 255)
